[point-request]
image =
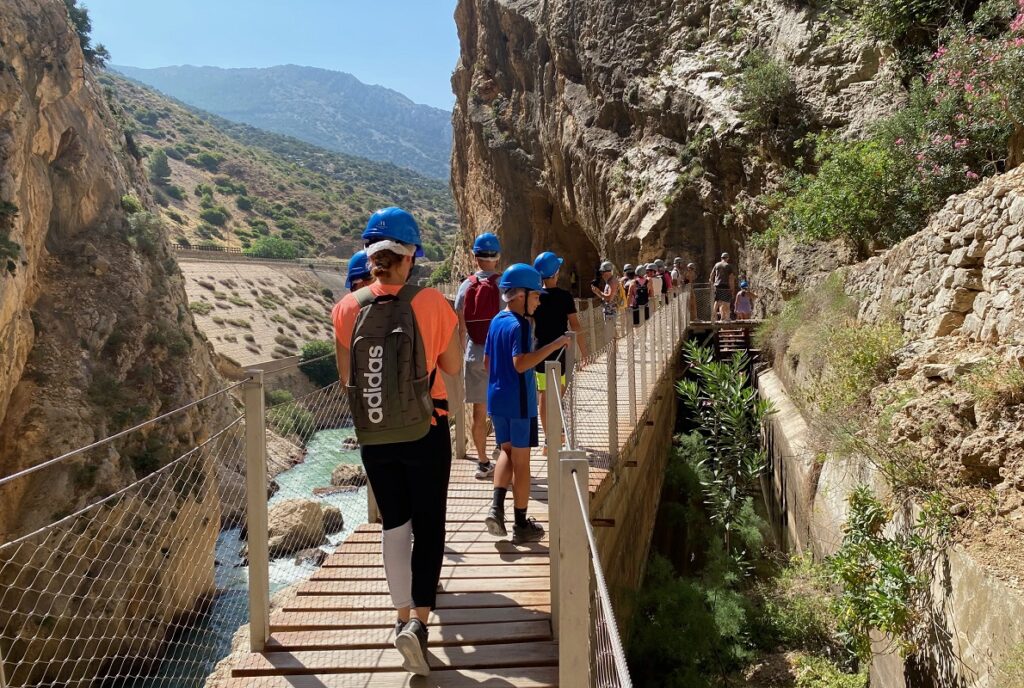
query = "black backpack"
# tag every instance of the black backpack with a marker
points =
(642, 295)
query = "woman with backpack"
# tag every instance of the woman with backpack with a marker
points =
(393, 336)
(638, 296)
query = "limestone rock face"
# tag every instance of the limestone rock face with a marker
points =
(607, 128)
(95, 336)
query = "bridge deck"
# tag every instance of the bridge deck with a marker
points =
(492, 626)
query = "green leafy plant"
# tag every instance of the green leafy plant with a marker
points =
(96, 55)
(131, 204)
(273, 247)
(729, 415)
(768, 99)
(159, 168)
(320, 372)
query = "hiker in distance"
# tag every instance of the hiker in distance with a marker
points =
(477, 301)
(359, 275)
(723, 278)
(554, 317)
(512, 397)
(391, 339)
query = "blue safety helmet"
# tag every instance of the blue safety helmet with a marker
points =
(521, 276)
(486, 244)
(547, 264)
(358, 268)
(396, 224)
(744, 284)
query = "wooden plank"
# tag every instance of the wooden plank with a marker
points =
(449, 572)
(366, 638)
(454, 585)
(478, 534)
(321, 603)
(300, 621)
(528, 654)
(520, 677)
(351, 560)
(501, 546)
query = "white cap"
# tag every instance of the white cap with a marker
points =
(391, 245)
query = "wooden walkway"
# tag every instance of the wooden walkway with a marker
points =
(492, 626)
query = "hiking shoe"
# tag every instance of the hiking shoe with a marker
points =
(412, 644)
(495, 522)
(530, 532)
(485, 470)
(399, 625)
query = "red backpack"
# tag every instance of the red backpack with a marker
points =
(481, 304)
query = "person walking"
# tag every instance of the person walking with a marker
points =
(512, 398)
(744, 303)
(638, 296)
(605, 287)
(399, 410)
(555, 315)
(690, 281)
(358, 273)
(477, 301)
(723, 278)
(666, 280)
(677, 274)
(654, 283)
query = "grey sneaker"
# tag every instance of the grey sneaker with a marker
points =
(412, 644)
(485, 471)
(495, 522)
(531, 532)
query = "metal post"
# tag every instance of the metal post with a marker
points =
(631, 369)
(657, 345)
(644, 310)
(574, 573)
(3, 681)
(570, 380)
(593, 348)
(553, 421)
(613, 392)
(256, 511)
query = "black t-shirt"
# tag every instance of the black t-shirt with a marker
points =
(551, 319)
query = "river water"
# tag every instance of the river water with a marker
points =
(192, 655)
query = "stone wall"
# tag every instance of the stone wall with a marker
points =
(976, 619)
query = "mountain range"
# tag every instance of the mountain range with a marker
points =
(333, 110)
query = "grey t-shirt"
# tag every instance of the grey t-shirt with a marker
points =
(723, 271)
(474, 351)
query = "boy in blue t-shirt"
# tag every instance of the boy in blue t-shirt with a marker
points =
(512, 397)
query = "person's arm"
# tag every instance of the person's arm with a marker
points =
(524, 362)
(463, 331)
(450, 360)
(344, 362)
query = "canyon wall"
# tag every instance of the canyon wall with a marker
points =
(609, 128)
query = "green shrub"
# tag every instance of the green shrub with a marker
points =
(175, 192)
(96, 55)
(144, 232)
(244, 203)
(796, 610)
(320, 372)
(206, 160)
(159, 169)
(10, 251)
(903, 22)
(200, 307)
(216, 216)
(276, 397)
(273, 247)
(819, 672)
(131, 204)
(768, 99)
(442, 274)
(286, 341)
(863, 191)
(291, 419)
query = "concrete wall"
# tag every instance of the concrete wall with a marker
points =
(630, 495)
(976, 619)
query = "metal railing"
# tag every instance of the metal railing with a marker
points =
(583, 433)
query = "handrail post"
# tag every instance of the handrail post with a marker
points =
(570, 380)
(553, 421)
(611, 364)
(644, 312)
(594, 347)
(631, 368)
(658, 318)
(455, 384)
(574, 572)
(3, 681)
(256, 511)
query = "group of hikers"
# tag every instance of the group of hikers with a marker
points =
(391, 339)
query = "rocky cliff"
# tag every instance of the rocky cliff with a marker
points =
(610, 128)
(95, 335)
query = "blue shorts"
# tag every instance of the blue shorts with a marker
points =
(521, 433)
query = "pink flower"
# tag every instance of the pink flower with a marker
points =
(962, 143)
(972, 175)
(919, 156)
(969, 88)
(898, 142)
(947, 138)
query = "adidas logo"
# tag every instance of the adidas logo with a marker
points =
(373, 381)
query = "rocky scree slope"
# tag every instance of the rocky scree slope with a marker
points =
(610, 129)
(95, 334)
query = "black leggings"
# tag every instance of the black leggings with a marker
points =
(410, 483)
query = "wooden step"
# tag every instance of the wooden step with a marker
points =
(314, 620)
(325, 603)
(367, 638)
(454, 585)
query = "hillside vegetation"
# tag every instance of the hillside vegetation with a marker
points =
(330, 109)
(225, 184)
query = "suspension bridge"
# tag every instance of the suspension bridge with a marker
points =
(143, 587)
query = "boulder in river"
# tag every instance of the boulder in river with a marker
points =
(295, 524)
(350, 444)
(314, 556)
(348, 474)
(334, 520)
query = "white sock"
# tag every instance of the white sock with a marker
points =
(396, 544)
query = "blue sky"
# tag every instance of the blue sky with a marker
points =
(408, 45)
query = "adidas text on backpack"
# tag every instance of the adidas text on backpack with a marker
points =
(389, 389)
(482, 302)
